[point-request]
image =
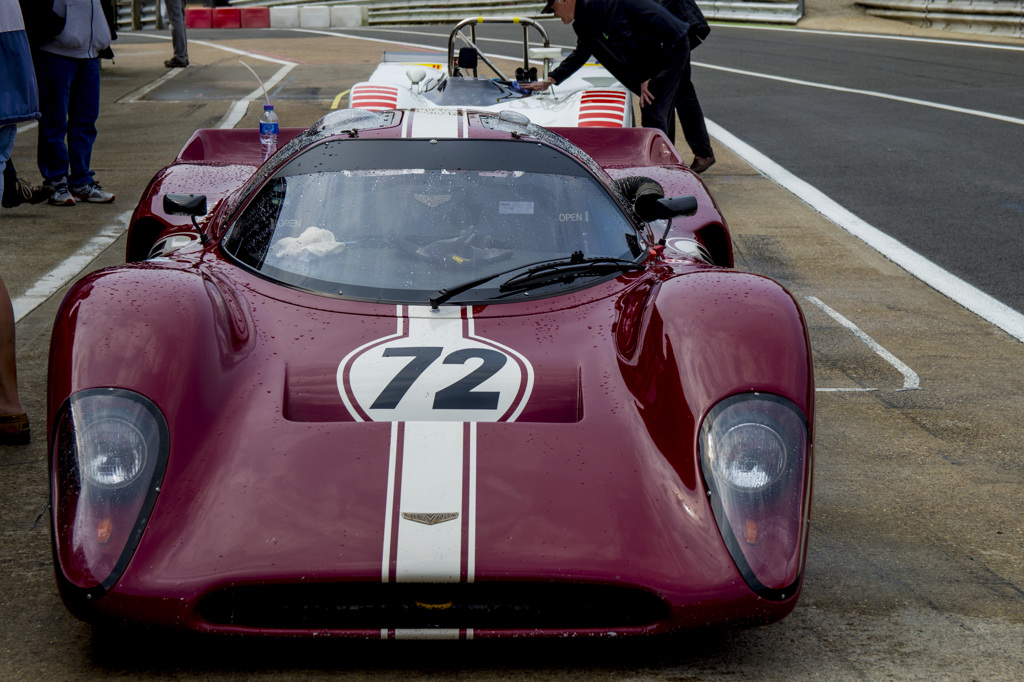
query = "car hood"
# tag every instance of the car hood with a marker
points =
(550, 441)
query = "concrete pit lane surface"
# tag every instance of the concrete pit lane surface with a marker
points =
(916, 561)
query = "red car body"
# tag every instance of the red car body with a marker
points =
(286, 494)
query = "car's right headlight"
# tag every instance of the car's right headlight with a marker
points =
(756, 458)
(109, 450)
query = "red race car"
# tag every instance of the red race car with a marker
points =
(435, 374)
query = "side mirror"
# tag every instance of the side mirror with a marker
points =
(650, 208)
(185, 204)
(675, 207)
(415, 75)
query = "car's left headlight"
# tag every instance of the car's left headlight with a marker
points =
(108, 455)
(755, 454)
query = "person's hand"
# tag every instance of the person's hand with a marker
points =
(539, 86)
(645, 95)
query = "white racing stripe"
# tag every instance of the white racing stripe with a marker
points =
(428, 475)
(438, 123)
(430, 508)
(433, 470)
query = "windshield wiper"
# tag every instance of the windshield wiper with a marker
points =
(542, 272)
(567, 271)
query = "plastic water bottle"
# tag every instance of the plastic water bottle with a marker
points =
(268, 131)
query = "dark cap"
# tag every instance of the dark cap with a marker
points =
(547, 7)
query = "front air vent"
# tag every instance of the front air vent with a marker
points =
(482, 605)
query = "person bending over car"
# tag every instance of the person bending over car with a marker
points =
(645, 47)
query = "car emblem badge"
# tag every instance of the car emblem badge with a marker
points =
(430, 519)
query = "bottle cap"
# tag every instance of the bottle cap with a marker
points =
(268, 107)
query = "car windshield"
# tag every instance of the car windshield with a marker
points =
(398, 220)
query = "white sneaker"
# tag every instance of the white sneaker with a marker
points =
(92, 193)
(61, 196)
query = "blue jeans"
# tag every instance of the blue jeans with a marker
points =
(69, 100)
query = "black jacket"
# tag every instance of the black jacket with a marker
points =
(631, 38)
(688, 11)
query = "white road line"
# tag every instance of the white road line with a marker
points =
(222, 48)
(139, 93)
(879, 36)
(845, 390)
(910, 379)
(52, 281)
(429, 48)
(238, 109)
(867, 93)
(242, 53)
(970, 297)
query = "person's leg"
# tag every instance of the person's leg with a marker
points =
(176, 18)
(54, 75)
(691, 118)
(14, 427)
(83, 111)
(663, 86)
(9, 402)
(7, 134)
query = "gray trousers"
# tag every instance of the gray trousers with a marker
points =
(176, 18)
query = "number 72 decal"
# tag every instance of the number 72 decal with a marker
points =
(434, 369)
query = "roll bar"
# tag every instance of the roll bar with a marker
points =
(471, 40)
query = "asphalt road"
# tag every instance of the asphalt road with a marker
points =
(916, 560)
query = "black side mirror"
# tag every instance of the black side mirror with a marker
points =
(676, 207)
(652, 207)
(185, 204)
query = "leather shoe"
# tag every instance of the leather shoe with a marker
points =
(21, 192)
(175, 63)
(14, 429)
(699, 165)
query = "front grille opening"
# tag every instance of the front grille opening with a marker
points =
(482, 605)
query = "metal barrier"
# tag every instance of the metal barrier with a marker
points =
(390, 12)
(135, 15)
(992, 17)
